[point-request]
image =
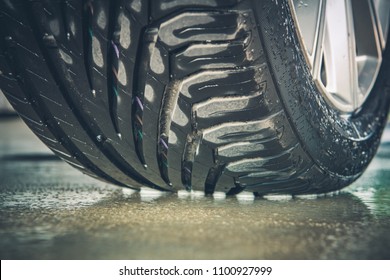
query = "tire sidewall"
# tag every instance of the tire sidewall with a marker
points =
(338, 144)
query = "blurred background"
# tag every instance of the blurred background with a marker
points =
(5, 107)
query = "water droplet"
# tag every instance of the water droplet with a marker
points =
(49, 41)
(9, 41)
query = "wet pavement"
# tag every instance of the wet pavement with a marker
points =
(48, 210)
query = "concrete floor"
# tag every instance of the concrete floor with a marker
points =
(48, 210)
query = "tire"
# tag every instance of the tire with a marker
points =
(196, 95)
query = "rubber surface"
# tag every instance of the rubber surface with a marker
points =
(178, 94)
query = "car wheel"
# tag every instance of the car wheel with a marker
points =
(262, 96)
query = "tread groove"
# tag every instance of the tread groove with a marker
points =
(87, 37)
(169, 101)
(113, 64)
(147, 36)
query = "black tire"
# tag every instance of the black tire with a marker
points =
(202, 95)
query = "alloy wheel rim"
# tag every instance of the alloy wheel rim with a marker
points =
(343, 42)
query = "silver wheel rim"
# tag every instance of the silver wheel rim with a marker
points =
(343, 41)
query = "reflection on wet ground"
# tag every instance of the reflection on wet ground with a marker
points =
(48, 210)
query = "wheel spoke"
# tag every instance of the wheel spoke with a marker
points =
(382, 13)
(343, 41)
(319, 42)
(368, 46)
(309, 14)
(340, 53)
